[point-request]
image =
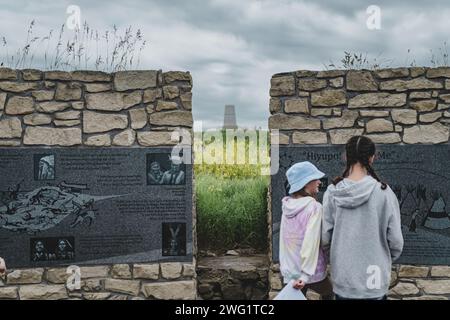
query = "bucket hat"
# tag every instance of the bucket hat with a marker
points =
(300, 174)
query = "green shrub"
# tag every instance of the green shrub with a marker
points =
(231, 212)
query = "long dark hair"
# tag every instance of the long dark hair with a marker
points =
(359, 149)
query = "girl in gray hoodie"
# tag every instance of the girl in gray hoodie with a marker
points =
(361, 226)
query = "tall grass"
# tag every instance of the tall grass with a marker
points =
(81, 48)
(231, 212)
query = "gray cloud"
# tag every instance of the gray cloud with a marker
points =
(233, 47)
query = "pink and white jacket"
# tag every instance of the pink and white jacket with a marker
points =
(301, 256)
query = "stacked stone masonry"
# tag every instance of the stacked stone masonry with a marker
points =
(97, 109)
(403, 105)
(171, 280)
(391, 106)
(94, 109)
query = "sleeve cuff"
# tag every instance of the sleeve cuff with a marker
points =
(304, 277)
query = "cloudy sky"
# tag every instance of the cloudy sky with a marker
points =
(232, 47)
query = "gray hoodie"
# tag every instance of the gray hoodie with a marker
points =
(362, 224)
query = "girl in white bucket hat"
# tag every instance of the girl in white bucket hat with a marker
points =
(301, 257)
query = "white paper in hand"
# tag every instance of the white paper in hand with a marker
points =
(290, 293)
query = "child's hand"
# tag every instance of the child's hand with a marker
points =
(299, 284)
(2, 266)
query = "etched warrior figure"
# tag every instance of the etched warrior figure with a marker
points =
(46, 168)
(413, 223)
(64, 250)
(155, 173)
(40, 253)
(174, 175)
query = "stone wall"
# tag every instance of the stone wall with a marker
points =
(96, 109)
(391, 106)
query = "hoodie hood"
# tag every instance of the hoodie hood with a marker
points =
(352, 194)
(292, 206)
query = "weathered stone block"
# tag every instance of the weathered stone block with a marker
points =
(309, 137)
(57, 275)
(7, 74)
(121, 271)
(296, 106)
(414, 84)
(282, 86)
(150, 95)
(407, 271)
(57, 75)
(404, 116)
(282, 138)
(138, 118)
(19, 105)
(125, 138)
(385, 138)
(101, 140)
(275, 281)
(9, 143)
(68, 91)
(441, 72)
(311, 84)
(392, 73)
(274, 105)
(440, 271)
(337, 82)
(155, 138)
(31, 75)
(178, 290)
(171, 92)
(66, 123)
(328, 98)
(37, 119)
(186, 100)
(2, 100)
(341, 136)
(10, 128)
(43, 95)
(68, 115)
(172, 76)
(188, 270)
(171, 118)
(432, 133)
(52, 136)
(52, 106)
(374, 113)
(315, 112)
(18, 87)
(171, 270)
(129, 80)
(8, 293)
(379, 125)
(434, 286)
(96, 295)
(90, 76)
(361, 81)
(347, 120)
(420, 95)
(377, 100)
(97, 87)
(424, 105)
(146, 271)
(94, 122)
(282, 121)
(330, 73)
(430, 117)
(25, 276)
(417, 71)
(166, 105)
(112, 101)
(130, 287)
(43, 292)
(404, 289)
